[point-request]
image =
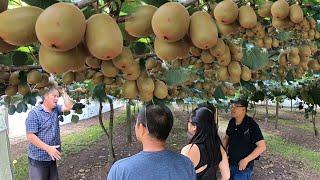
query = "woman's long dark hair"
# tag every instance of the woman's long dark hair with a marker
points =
(207, 133)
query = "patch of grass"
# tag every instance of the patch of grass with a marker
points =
(291, 123)
(21, 167)
(293, 152)
(71, 144)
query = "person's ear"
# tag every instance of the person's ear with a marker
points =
(142, 130)
(193, 128)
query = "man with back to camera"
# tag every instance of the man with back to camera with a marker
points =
(155, 162)
(243, 140)
(43, 133)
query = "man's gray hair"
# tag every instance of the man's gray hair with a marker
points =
(48, 90)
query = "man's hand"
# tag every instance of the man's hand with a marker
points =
(53, 152)
(243, 164)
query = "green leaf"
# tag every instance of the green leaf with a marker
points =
(19, 58)
(258, 96)
(21, 107)
(30, 60)
(284, 36)
(156, 3)
(260, 2)
(99, 92)
(248, 85)
(175, 76)
(27, 49)
(75, 118)
(2, 88)
(192, 9)
(318, 24)
(219, 94)
(23, 77)
(30, 98)
(123, 30)
(315, 95)
(255, 58)
(276, 92)
(289, 76)
(7, 100)
(79, 111)
(88, 12)
(33, 100)
(316, 7)
(11, 109)
(140, 48)
(270, 96)
(130, 6)
(5, 59)
(40, 3)
(77, 106)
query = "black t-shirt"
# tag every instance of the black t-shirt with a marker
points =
(242, 139)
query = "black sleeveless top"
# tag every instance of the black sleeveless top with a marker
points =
(210, 172)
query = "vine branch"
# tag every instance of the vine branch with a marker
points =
(84, 3)
(18, 68)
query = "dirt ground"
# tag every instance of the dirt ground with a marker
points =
(90, 163)
(295, 135)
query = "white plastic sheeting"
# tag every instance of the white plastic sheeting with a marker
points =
(5, 168)
(17, 127)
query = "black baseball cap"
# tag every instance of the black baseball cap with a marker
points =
(242, 102)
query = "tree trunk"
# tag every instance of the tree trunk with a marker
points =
(313, 116)
(291, 105)
(111, 155)
(128, 113)
(277, 113)
(267, 110)
(100, 119)
(134, 108)
(254, 110)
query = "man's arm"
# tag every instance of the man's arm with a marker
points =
(224, 165)
(225, 141)
(51, 150)
(261, 147)
(68, 103)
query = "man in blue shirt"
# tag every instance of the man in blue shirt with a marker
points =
(43, 133)
(155, 162)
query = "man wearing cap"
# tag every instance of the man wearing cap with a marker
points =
(243, 140)
(155, 161)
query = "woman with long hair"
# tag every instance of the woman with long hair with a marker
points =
(205, 148)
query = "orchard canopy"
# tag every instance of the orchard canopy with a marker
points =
(156, 50)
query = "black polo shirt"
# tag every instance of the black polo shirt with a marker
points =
(242, 139)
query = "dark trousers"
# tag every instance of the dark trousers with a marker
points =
(43, 170)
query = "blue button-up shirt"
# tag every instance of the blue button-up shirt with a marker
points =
(45, 125)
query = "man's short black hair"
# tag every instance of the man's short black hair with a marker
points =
(242, 102)
(158, 119)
